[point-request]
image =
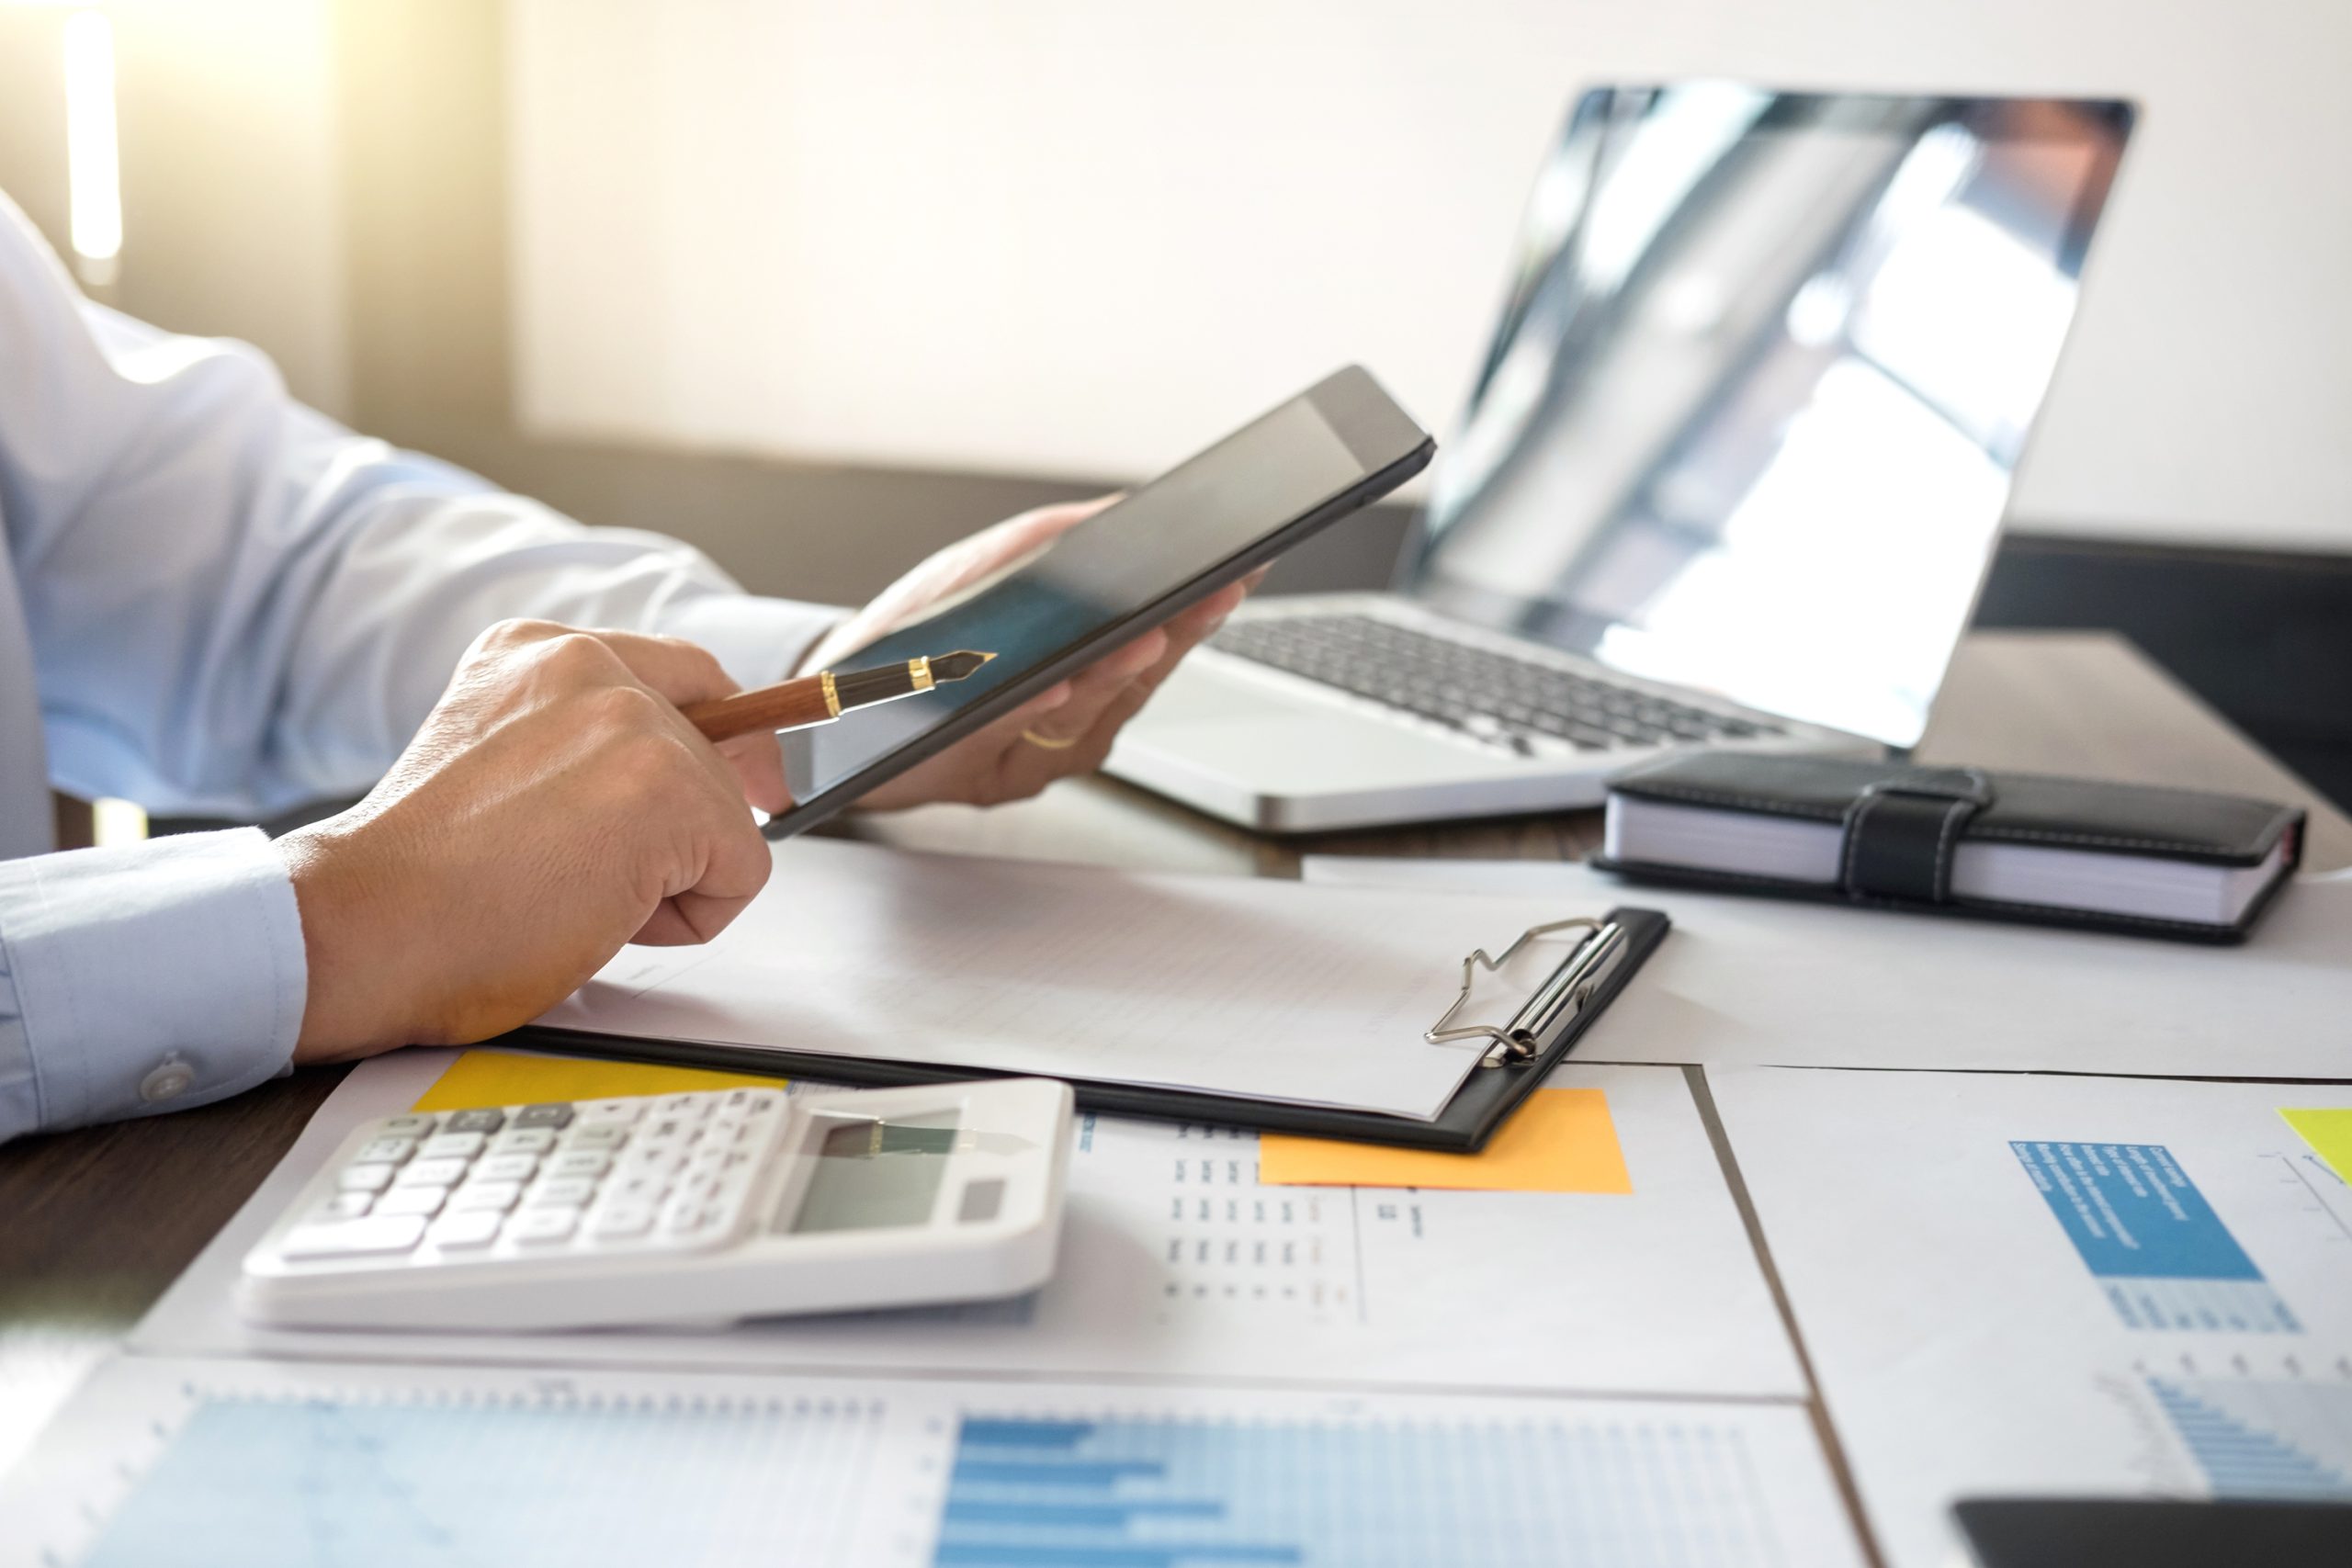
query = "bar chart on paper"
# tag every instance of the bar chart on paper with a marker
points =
(2026, 1284)
(2263, 1437)
(224, 1465)
(1172, 1492)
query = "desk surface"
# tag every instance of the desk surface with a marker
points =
(99, 1221)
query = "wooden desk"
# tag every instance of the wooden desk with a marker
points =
(99, 1221)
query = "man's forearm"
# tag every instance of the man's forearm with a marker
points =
(144, 978)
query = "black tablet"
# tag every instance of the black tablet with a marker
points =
(1207, 521)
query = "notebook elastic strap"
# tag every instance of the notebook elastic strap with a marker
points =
(1901, 833)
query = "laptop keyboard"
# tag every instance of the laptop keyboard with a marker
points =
(1491, 695)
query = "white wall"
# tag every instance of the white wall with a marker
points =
(231, 221)
(1072, 236)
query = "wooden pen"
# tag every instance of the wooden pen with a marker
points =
(824, 697)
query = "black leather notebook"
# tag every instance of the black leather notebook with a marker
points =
(2171, 862)
(1553, 1016)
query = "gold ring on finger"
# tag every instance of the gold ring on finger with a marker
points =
(1047, 741)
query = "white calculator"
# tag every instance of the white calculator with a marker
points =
(685, 1207)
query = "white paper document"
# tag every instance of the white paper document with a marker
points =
(1176, 1263)
(1747, 981)
(196, 1463)
(2046, 1285)
(1236, 986)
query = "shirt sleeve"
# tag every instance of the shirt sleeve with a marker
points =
(235, 604)
(144, 978)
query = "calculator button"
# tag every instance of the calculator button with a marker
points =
(352, 1239)
(541, 1226)
(404, 1127)
(452, 1145)
(656, 1163)
(597, 1135)
(476, 1121)
(625, 1111)
(580, 1162)
(434, 1172)
(388, 1151)
(571, 1192)
(523, 1141)
(364, 1177)
(506, 1167)
(693, 1107)
(344, 1206)
(619, 1222)
(477, 1228)
(550, 1116)
(498, 1195)
(688, 1216)
(412, 1200)
(641, 1188)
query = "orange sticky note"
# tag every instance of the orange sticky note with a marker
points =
(516, 1078)
(1561, 1140)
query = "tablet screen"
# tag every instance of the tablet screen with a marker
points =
(1204, 523)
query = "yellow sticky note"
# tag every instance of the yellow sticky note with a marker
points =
(516, 1078)
(2329, 1133)
(1561, 1140)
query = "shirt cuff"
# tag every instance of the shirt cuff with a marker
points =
(144, 978)
(759, 641)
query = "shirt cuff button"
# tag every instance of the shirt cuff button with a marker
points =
(168, 1080)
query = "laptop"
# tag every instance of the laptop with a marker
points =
(1730, 475)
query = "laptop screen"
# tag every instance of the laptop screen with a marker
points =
(1764, 372)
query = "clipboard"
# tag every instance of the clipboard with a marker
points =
(1601, 959)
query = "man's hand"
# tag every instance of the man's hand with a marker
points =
(554, 807)
(1065, 731)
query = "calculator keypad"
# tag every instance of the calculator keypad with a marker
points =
(675, 1172)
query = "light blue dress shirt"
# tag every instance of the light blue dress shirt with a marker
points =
(214, 600)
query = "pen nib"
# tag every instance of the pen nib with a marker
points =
(955, 666)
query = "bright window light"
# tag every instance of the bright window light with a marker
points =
(117, 822)
(92, 161)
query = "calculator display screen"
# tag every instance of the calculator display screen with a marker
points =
(874, 1174)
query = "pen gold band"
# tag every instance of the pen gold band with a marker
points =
(832, 697)
(920, 668)
(1047, 741)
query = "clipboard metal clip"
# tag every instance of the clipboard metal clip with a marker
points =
(1561, 996)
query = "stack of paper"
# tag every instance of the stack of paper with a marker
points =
(1234, 986)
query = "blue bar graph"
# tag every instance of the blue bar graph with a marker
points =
(1185, 1492)
(2258, 1438)
(471, 1479)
